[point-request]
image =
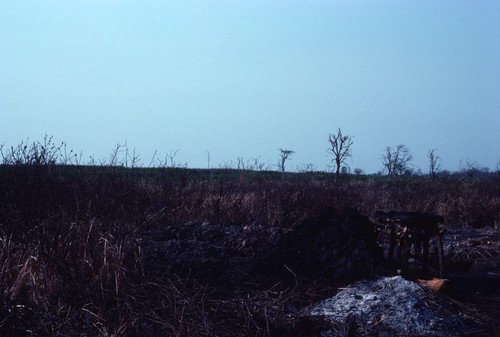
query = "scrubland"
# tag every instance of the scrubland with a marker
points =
(73, 245)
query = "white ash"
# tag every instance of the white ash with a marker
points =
(393, 305)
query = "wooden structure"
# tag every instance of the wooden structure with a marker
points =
(413, 229)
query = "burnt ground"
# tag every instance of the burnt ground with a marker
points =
(473, 262)
(266, 275)
(272, 273)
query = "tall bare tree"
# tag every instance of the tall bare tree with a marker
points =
(396, 162)
(434, 164)
(340, 147)
(284, 154)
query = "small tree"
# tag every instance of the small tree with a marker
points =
(340, 147)
(358, 171)
(284, 154)
(396, 162)
(434, 165)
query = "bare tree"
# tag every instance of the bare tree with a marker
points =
(284, 154)
(340, 147)
(434, 165)
(396, 162)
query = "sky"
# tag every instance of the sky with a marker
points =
(243, 79)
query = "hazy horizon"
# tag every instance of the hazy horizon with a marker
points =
(244, 79)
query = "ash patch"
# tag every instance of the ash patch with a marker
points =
(393, 306)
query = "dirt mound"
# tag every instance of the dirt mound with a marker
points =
(339, 247)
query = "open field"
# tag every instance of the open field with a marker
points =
(112, 251)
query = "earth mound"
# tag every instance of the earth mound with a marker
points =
(335, 247)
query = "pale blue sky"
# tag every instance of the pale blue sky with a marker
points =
(246, 78)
